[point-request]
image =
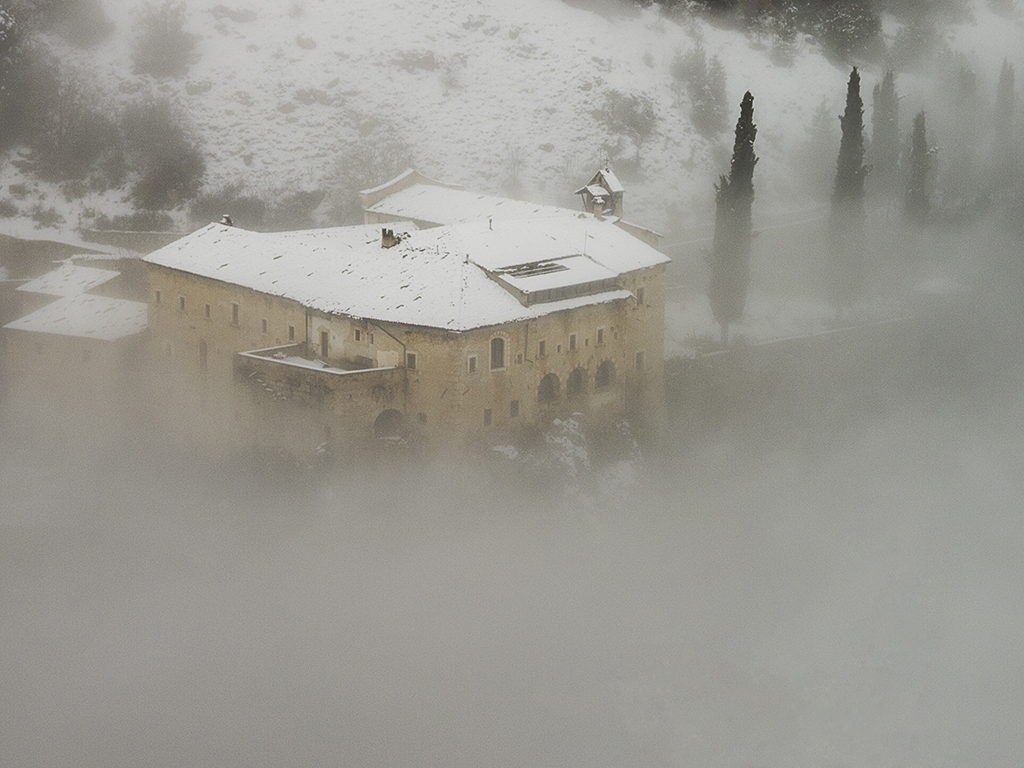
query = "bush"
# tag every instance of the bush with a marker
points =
(162, 46)
(157, 140)
(65, 123)
(81, 22)
(141, 221)
(630, 115)
(245, 210)
(370, 161)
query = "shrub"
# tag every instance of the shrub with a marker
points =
(140, 221)
(245, 210)
(158, 141)
(370, 161)
(8, 209)
(630, 115)
(162, 46)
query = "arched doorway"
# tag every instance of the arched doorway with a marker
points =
(605, 375)
(576, 385)
(549, 389)
(389, 424)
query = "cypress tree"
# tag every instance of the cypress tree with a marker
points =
(734, 197)
(885, 134)
(1004, 161)
(917, 179)
(846, 223)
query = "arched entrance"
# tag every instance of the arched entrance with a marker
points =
(389, 423)
(549, 389)
(605, 375)
(576, 385)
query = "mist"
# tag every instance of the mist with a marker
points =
(807, 569)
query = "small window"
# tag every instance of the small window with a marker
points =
(291, 333)
(206, 311)
(371, 339)
(586, 342)
(325, 344)
(181, 303)
(640, 296)
(410, 361)
(497, 353)
(234, 313)
(600, 336)
(264, 325)
(487, 417)
(156, 297)
(542, 349)
(513, 409)
(471, 363)
(421, 418)
(639, 361)
(558, 349)
(519, 358)
(572, 342)
(359, 335)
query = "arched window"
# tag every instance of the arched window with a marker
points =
(388, 424)
(605, 375)
(549, 389)
(576, 384)
(497, 353)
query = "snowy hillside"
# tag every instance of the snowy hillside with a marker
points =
(483, 93)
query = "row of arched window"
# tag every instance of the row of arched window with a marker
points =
(550, 389)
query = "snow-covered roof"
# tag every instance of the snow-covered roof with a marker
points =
(86, 316)
(444, 205)
(611, 181)
(437, 277)
(68, 280)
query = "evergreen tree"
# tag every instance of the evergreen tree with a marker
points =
(1004, 161)
(846, 223)
(734, 196)
(917, 178)
(885, 134)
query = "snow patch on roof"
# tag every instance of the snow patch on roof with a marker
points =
(444, 205)
(68, 280)
(86, 316)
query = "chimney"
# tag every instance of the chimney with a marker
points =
(388, 239)
(226, 220)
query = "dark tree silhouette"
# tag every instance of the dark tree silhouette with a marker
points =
(1004, 161)
(917, 179)
(885, 135)
(846, 223)
(734, 196)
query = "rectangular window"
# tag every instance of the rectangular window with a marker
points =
(421, 418)
(410, 361)
(264, 325)
(325, 344)
(639, 361)
(234, 313)
(471, 363)
(181, 303)
(572, 342)
(371, 338)
(487, 417)
(542, 350)
(291, 333)
(513, 409)
(358, 334)
(519, 358)
(640, 296)
(600, 336)
(207, 311)
(156, 297)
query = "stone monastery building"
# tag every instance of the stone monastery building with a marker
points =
(448, 316)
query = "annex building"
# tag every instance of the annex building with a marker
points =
(447, 317)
